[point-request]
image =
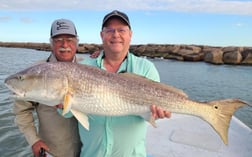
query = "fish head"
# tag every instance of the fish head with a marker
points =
(39, 84)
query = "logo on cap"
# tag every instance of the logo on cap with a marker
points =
(61, 25)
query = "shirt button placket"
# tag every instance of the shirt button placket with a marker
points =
(109, 135)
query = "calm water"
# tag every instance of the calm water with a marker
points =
(201, 81)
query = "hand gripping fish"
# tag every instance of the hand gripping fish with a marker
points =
(84, 90)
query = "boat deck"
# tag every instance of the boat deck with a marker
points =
(189, 136)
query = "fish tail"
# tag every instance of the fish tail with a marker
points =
(222, 114)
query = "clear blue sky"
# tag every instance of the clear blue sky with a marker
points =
(200, 22)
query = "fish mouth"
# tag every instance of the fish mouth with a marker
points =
(15, 94)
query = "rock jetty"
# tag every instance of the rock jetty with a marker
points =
(210, 54)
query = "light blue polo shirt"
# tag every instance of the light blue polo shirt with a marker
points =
(121, 136)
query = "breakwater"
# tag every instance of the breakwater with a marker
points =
(211, 54)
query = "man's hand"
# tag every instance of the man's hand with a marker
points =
(37, 146)
(59, 106)
(95, 54)
(158, 112)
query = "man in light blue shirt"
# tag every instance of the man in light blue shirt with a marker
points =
(118, 136)
(121, 136)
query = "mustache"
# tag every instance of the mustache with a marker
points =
(65, 49)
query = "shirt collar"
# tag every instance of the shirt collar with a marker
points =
(123, 67)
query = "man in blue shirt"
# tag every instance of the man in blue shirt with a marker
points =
(122, 136)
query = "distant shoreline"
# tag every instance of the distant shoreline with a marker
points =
(210, 54)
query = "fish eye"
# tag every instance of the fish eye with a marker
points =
(20, 77)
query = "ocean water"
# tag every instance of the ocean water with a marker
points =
(201, 81)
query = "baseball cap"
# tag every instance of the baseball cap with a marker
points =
(116, 13)
(63, 26)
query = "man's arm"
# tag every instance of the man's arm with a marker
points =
(26, 124)
(25, 120)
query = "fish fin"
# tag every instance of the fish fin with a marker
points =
(175, 90)
(148, 117)
(249, 105)
(81, 117)
(222, 111)
(67, 103)
(154, 83)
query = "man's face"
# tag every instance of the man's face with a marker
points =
(116, 36)
(64, 47)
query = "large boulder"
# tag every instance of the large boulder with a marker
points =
(247, 55)
(232, 55)
(214, 56)
(188, 53)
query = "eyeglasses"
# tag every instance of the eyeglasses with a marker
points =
(111, 31)
(69, 40)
